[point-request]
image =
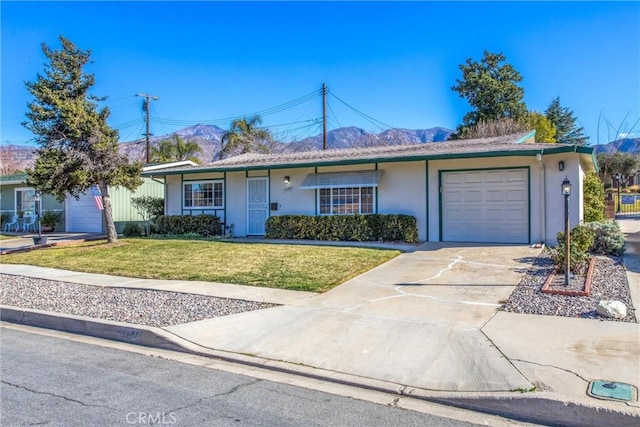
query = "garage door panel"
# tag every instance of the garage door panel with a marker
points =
(453, 178)
(494, 176)
(494, 207)
(519, 215)
(472, 178)
(518, 195)
(454, 196)
(494, 215)
(519, 175)
(496, 195)
(473, 196)
(455, 214)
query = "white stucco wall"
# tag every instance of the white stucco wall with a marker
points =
(291, 199)
(555, 200)
(403, 188)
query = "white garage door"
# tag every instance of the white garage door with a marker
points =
(83, 215)
(486, 206)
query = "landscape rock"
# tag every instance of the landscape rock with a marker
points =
(615, 309)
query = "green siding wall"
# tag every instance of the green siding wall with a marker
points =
(121, 199)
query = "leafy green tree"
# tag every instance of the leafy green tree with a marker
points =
(545, 131)
(567, 130)
(593, 202)
(491, 88)
(149, 208)
(246, 137)
(175, 150)
(77, 149)
(625, 164)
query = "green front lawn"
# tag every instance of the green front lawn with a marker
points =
(296, 267)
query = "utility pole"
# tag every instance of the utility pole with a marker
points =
(145, 106)
(324, 116)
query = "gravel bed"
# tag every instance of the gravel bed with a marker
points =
(142, 307)
(609, 282)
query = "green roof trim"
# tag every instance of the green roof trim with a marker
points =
(522, 139)
(14, 179)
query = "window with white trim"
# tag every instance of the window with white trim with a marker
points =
(203, 194)
(346, 200)
(25, 201)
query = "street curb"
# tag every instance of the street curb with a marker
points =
(527, 407)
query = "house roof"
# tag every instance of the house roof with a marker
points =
(16, 178)
(509, 145)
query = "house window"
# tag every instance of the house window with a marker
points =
(25, 202)
(204, 194)
(346, 200)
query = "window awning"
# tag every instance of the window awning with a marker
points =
(341, 179)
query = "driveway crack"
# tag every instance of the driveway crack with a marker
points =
(55, 395)
(449, 266)
(551, 366)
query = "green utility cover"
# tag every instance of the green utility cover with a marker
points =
(612, 390)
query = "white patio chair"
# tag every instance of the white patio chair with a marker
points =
(29, 222)
(11, 224)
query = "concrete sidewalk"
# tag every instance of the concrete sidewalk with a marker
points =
(424, 324)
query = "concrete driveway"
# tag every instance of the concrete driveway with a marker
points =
(414, 320)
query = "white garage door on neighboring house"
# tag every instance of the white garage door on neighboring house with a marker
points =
(485, 206)
(83, 215)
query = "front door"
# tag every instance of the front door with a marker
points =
(257, 205)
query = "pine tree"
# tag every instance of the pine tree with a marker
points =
(77, 149)
(567, 130)
(491, 88)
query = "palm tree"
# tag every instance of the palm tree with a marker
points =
(176, 150)
(245, 136)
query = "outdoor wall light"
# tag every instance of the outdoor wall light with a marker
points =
(287, 180)
(566, 187)
(561, 165)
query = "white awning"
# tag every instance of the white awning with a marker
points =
(341, 179)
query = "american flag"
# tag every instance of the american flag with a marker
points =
(97, 196)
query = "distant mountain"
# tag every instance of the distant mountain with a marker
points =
(208, 137)
(353, 137)
(625, 145)
(15, 157)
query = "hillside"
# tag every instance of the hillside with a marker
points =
(625, 145)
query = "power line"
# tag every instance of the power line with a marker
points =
(261, 113)
(373, 121)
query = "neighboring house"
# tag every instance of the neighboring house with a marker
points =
(81, 215)
(16, 197)
(501, 190)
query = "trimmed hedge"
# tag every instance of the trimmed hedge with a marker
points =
(344, 227)
(203, 225)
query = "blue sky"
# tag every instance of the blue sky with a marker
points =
(393, 61)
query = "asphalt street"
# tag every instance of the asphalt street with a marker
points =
(47, 380)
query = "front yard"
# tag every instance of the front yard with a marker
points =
(295, 267)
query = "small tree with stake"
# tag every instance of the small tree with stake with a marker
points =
(149, 208)
(77, 149)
